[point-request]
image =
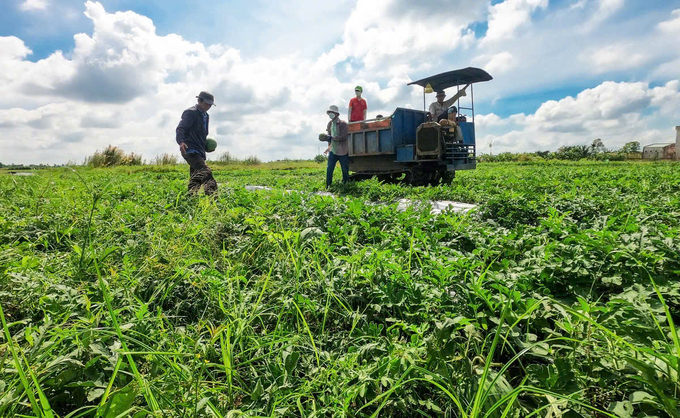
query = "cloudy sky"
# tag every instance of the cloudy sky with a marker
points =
(75, 77)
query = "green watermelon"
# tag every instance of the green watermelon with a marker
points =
(210, 145)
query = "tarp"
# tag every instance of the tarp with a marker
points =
(454, 78)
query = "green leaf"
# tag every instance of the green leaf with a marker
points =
(641, 397)
(120, 402)
(95, 393)
(622, 409)
(257, 393)
(291, 361)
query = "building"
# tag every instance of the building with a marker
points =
(660, 151)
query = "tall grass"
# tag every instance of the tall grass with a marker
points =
(227, 158)
(112, 156)
(165, 159)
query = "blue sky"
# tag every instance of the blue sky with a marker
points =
(565, 71)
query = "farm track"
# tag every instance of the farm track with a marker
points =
(558, 296)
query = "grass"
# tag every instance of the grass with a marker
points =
(559, 297)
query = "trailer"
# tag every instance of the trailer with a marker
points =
(406, 147)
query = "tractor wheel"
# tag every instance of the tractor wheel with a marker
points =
(447, 177)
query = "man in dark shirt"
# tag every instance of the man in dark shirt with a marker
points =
(192, 133)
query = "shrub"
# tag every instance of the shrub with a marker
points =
(165, 159)
(320, 158)
(252, 160)
(112, 156)
(227, 158)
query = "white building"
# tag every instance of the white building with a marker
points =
(660, 151)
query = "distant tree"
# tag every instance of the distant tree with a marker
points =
(574, 152)
(631, 147)
(598, 146)
(320, 158)
(543, 154)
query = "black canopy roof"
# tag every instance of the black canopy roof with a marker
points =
(454, 78)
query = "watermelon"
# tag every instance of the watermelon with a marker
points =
(210, 145)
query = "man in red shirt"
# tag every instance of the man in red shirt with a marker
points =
(357, 106)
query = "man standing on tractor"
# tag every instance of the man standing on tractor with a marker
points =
(439, 109)
(336, 135)
(357, 106)
(191, 135)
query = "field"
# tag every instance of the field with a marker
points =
(558, 297)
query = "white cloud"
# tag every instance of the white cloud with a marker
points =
(605, 9)
(615, 57)
(115, 88)
(671, 26)
(402, 31)
(507, 17)
(498, 63)
(28, 5)
(615, 112)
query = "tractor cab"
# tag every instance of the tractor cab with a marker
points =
(409, 147)
(458, 139)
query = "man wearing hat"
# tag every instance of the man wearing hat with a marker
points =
(192, 134)
(336, 135)
(439, 109)
(357, 106)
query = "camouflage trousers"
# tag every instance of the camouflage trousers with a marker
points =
(200, 174)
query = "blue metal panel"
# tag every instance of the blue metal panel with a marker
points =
(468, 129)
(358, 143)
(386, 144)
(404, 125)
(405, 153)
(371, 142)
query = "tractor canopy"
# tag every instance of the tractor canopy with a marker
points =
(454, 78)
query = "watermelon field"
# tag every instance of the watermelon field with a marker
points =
(558, 296)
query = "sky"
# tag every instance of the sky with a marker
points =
(77, 76)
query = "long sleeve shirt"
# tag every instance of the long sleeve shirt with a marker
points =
(437, 109)
(193, 130)
(339, 140)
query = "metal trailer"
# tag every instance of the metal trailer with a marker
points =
(406, 147)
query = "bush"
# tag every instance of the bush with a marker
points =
(252, 160)
(165, 159)
(227, 158)
(320, 159)
(112, 156)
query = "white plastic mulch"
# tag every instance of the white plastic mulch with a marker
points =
(438, 206)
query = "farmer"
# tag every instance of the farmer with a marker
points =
(336, 135)
(439, 108)
(357, 106)
(192, 133)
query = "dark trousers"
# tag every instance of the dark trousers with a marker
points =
(344, 165)
(199, 174)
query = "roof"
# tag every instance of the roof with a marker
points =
(659, 145)
(454, 78)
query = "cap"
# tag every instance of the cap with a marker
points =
(359, 88)
(207, 97)
(441, 93)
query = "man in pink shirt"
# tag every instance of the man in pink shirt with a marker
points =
(357, 106)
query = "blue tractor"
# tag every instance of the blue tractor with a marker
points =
(407, 147)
